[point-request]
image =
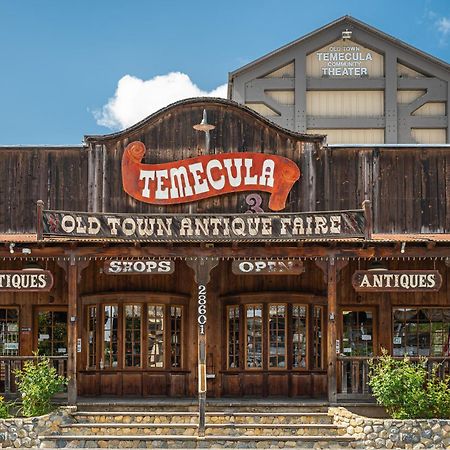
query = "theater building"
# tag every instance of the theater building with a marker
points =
(207, 249)
(351, 82)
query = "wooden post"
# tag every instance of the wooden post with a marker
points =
(367, 207)
(202, 268)
(39, 214)
(72, 279)
(332, 331)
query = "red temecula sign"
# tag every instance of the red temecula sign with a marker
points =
(206, 176)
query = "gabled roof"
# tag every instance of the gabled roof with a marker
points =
(345, 21)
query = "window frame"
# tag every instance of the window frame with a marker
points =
(417, 308)
(144, 299)
(266, 298)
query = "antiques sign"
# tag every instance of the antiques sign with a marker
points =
(206, 176)
(396, 280)
(203, 227)
(26, 280)
(267, 267)
(141, 266)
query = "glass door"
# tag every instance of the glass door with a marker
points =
(358, 332)
(52, 333)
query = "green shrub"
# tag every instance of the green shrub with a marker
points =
(407, 390)
(37, 382)
(4, 408)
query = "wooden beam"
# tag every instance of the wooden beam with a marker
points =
(315, 251)
(332, 331)
(202, 272)
(72, 331)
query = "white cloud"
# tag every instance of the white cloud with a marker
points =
(443, 25)
(135, 99)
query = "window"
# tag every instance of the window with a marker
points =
(421, 331)
(254, 345)
(233, 337)
(110, 336)
(317, 337)
(92, 336)
(9, 331)
(299, 336)
(176, 324)
(155, 336)
(357, 338)
(52, 333)
(132, 335)
(277, 335)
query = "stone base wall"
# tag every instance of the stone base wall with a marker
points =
(391, 433)
(24, 432)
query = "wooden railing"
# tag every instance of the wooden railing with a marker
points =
(8, 364)
(353, 374)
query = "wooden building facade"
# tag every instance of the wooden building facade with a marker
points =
(245, 292)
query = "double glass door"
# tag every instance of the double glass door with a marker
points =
(140, 335)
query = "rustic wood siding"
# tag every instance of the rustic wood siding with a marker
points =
(57, 176)
(409, 187)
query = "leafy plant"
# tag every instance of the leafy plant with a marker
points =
(4, 408)
(38, 382)
(407, 390)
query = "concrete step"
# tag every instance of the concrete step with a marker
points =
(240, 429)
(176, 441)
(166, 417)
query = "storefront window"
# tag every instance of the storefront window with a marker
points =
(110, 336)
(155, 336)
(357, 339)
(92, 336)
(317, 337)
(254, 348)
(421, 331)
(277, 335)
(233, 336)
(9, 331)
(132, 335)
(52, 333)
(176, 323)
(299, 336)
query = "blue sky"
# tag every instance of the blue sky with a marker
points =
(61, 61)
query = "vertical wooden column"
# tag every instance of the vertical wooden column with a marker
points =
(202, 268)
(72, 281)
(332, 330)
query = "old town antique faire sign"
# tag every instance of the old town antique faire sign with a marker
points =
(267, 267)
(26, 280)
(206, 176)
(141, 266)
(203, 227)
(396, 280)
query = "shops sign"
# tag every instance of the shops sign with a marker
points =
(26, 280)
(202, 227)
(396, 280)
(141, 266)
(207, 176)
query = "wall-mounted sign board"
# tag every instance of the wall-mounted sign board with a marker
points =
(205, 176)
(203, 227)
(267, 267)
(26, 280)
(396, 280)
(139, 267)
